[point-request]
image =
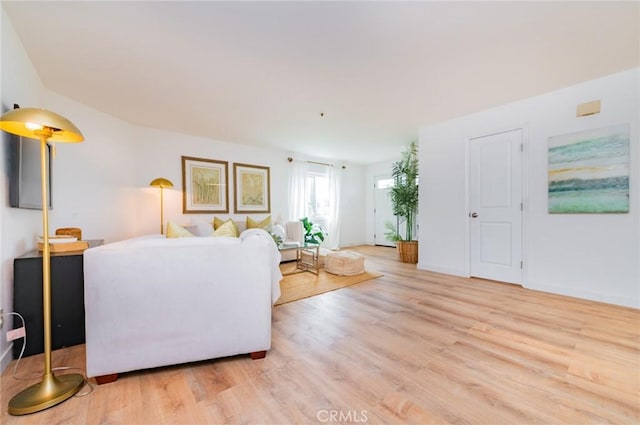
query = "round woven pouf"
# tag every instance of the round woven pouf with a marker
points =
(344, 263)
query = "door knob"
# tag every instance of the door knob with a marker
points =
(474, 215)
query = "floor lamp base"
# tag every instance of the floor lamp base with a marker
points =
(47, 393)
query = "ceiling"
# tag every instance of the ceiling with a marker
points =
(263, 73)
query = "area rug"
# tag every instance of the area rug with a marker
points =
(303, 285)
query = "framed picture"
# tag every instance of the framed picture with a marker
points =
(589, 171)
(251, 186)
(204, 186)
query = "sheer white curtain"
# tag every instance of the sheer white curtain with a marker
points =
(332, 240)
(297, 190)
(299, 198)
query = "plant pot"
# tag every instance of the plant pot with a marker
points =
(408, 251)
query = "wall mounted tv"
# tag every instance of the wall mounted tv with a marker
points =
(24, 173)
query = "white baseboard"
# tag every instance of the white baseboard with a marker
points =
(633, 302)
(586, 295)
(442, 269)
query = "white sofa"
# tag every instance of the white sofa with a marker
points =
(152, 301)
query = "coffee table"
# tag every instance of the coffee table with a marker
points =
(307, 256)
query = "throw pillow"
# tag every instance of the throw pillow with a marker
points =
(279, 231)
(254, 224)
(228, 228)
(176, 231)
(217, 222)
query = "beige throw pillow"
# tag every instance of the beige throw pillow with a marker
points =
(176, 231)
(217, 222)
(254, 224)
(228, 228)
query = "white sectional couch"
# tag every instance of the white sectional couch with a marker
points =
(153, 301)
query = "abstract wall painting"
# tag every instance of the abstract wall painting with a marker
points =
(204, 186)
(251, 183)
(589, 171)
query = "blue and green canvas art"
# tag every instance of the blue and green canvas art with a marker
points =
(589, 171)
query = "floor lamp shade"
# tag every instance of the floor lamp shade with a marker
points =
(45, 126)
(161, 182)
(29, 122)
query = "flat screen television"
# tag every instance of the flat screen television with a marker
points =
(24, 173)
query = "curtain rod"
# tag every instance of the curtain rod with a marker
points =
(319, 163)
(290, 159)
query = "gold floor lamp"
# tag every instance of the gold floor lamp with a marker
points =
(45, 126)
(161, 182)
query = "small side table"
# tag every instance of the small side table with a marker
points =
(307, 257)
(67, 299)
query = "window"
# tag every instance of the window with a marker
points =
(318, 197)
(384, 183)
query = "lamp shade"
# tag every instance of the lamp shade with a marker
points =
(161, 182)
(30, 122)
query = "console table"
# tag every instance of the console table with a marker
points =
(67, 299)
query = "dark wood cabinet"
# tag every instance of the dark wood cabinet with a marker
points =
(67, 299)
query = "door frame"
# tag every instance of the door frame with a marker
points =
(525, 129)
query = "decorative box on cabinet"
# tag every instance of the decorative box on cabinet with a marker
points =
(67, 299)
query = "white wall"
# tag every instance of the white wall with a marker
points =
(593, 256)
(91, 180)
(93, 185)
(18, 229)
(159, 154)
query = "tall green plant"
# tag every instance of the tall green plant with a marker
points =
(404, 194)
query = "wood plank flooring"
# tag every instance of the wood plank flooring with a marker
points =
(409, 347)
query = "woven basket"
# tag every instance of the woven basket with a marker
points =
(307, 257)
(408, 251)
(344, 263)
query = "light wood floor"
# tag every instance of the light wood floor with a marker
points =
(410, 347)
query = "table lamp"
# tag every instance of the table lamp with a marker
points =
(45, 126)
(161, 182)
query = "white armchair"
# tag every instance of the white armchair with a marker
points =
(294, 232)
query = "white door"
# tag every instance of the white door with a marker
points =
(383, 211)
(496, 206)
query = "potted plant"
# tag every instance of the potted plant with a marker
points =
(404, 200)
(313, 233)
